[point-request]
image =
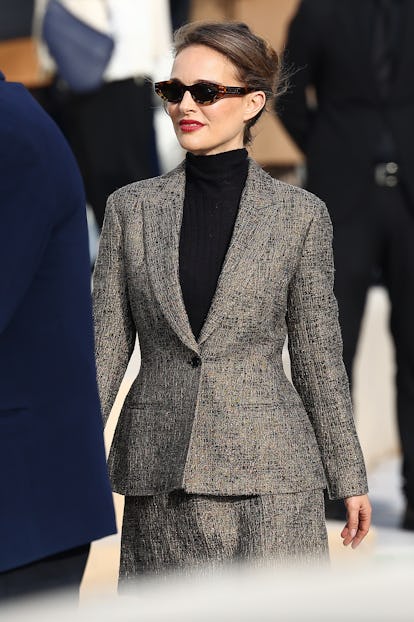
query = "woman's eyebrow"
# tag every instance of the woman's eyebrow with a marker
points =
(198, 81)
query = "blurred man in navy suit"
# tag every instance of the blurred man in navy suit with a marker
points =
(55, 493)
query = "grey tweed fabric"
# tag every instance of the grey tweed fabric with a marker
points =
(218, 416)
(180, 531)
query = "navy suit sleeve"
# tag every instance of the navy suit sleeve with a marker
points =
(27, 197)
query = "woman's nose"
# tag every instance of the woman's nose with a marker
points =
(187, 102)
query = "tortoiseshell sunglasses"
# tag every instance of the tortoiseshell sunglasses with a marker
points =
(202, 92)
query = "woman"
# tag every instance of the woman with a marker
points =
(218, 456)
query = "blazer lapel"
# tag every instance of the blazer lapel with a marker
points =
(248, 235)
(162, 223)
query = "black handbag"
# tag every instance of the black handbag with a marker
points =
(80, 52)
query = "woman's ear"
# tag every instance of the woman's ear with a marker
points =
(254, 103)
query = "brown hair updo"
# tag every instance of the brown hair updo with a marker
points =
(255, 62)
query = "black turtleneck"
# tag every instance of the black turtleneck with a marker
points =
(214, 185)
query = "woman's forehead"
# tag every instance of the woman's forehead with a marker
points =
(200, 62)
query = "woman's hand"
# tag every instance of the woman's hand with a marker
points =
(358, 511)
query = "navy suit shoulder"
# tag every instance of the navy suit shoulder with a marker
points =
(33, 137)
(54, 481)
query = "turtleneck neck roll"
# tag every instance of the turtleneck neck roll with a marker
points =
(214, 185)
(218, 166)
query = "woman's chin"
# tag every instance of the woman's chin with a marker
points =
(193, 145)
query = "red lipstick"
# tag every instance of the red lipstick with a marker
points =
(190, 125)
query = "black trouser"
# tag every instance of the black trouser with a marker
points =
(380, 241)
(63, 571)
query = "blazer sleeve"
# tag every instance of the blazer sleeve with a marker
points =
(114, 326)
(318, 372)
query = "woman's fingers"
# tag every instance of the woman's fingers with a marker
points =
(363, 528)
(358, 520)
(351, 528)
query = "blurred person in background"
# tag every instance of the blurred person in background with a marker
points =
(55, 489)
(180, 13)
(111, 129)
(219, 458)
(357, 133)
(16, 19)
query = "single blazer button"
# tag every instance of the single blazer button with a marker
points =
(195, 361)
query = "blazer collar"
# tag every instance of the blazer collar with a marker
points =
(162, 218)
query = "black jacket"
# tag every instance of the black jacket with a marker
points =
(329, 48)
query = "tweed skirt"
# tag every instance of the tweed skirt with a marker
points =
(181, 531)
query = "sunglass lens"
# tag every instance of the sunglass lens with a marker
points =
(204, 93)
(172, 92)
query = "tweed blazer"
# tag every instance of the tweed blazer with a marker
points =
(218, 415)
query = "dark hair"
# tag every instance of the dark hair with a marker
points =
(256, 63)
